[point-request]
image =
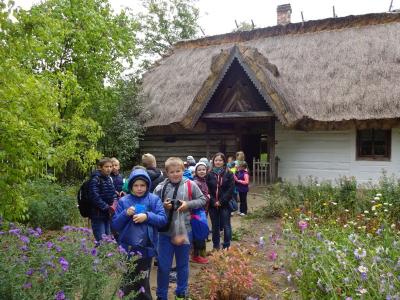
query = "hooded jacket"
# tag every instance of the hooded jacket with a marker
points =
(198, 200)
(102, 195)
(156, 176)
(142, 237)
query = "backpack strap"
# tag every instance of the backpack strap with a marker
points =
(189, 187)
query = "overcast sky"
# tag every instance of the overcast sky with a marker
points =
(218, 16)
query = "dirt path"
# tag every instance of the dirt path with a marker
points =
(250, 231)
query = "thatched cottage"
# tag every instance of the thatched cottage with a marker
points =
(321, 98)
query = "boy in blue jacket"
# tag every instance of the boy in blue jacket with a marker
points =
(137, 218)
(102, 196)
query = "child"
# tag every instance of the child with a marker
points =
(220, 184)
(239, 157)
(102, 195)
(200, 179)
(156, 176)
(173, 191)
(137, 217)
(118, 180)
(242, 185)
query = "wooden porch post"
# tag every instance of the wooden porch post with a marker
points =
(271, 143)
(207, 142)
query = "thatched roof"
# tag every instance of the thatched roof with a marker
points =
(327, 70)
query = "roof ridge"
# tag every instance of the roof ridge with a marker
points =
(292, 28)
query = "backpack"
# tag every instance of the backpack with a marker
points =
(198, 220)
(83, 198)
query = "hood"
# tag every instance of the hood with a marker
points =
(187, 174)
(96, 173)
(143, 175)
(153, 173)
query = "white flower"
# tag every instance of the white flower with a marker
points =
(373, 208)
(362, 291)
(385, 210)
(379, 195)
(366, 212)
(334, 203)
(385, 203)
(393, 226)
(362, 269)
(377, 198)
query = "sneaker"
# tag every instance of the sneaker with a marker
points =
(172, 276)
(242, 214)
(199, 260)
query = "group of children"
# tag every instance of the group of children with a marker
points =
(151, 215)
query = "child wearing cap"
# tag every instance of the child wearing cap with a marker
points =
(137, 218)
(199, 246)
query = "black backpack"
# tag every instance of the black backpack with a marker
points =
(84, 199)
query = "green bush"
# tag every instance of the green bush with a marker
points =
(50, 205)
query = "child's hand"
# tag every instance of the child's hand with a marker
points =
(217, 204)
(168, 204)
(130, 211)
(139, 218)
(183, 206)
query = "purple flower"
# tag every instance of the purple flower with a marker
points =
(16, 231)
(62, 238)
(64, 263)
(24, 248)
(60, 295)
(122, 250)
(272, 255)
(27, 285)
(319, 236)
(120, 294)
(24, 239)
(360, 253)
(142, 290)
(303, 225)
(93, 252)
(2, 232)
(38, 231)
(110, 254)
(67, 228)
(58, 249)
(49, 245)
(30, 272)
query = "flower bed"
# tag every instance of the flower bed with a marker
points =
(66, 265)
(343, 254)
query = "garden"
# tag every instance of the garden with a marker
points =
(314, 240)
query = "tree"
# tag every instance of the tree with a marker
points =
(164, 23)
(244, 26)
(59, 62)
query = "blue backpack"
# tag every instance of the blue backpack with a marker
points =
(198, 219)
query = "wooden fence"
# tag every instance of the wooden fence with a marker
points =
(261, 172)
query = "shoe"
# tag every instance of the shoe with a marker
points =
(182, 298)
(172, 276)
(242, 214)
(199, 260)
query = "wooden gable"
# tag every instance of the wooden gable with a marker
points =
(236, 93)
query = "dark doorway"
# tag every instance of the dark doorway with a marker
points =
(250, 145)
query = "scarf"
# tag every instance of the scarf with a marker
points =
(218, 170)
(202, 184)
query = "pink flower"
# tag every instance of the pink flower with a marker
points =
(272, 256)
(303, 225)
(120, 294)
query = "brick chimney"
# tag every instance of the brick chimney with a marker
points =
(283, 13)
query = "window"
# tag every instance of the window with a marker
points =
(373, 144)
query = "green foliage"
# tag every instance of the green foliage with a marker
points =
(60, 62)
(50, 205)
(122, 135)
(68, 264)
(244, 26)
(164, 23)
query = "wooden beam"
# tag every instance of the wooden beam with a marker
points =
(232, 115)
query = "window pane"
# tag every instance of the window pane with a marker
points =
(366, 148)
(380, 148)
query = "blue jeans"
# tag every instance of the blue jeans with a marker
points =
(166, 251)
(100, 226)
(221, 219)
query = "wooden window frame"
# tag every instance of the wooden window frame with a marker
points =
(388, 146)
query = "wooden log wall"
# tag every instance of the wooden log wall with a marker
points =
(197, 145)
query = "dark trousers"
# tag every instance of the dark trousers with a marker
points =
(142, 269)
(198, 246)
(221, 219)
(243, 202)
